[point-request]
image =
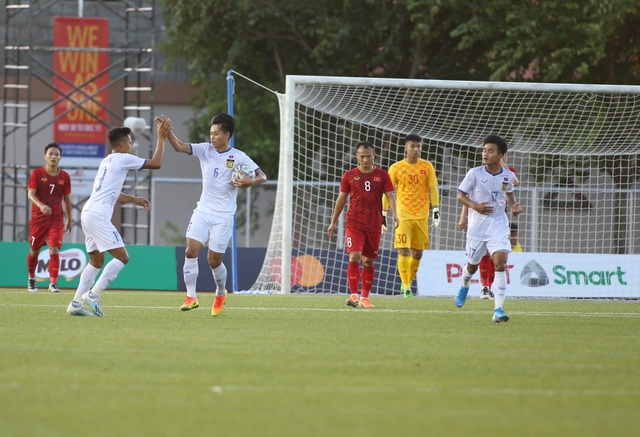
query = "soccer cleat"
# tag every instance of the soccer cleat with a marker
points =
(500, 316)
(78, 310)
(407, 292)
(353, 301)
(53, 288)
(486, 293)
(93, 303)
(32, 286)
(218, 304)
(365, 303)
(190, 303)
(462, 296)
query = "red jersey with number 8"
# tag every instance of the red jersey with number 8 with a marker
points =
(365, 197)
(51, 191)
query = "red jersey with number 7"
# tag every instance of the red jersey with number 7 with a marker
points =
(365, 197)
(50, 190)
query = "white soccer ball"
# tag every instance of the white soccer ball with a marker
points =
(239, 169)
(136, 124)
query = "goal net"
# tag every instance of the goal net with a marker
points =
(575, 148)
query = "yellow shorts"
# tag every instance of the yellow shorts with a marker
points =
(412, 234)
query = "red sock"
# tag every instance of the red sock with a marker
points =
(367, 280)
(353, 275)
(54, 267)
(486, 271)
(32, 263)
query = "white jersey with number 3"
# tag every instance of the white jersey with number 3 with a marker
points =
(483, 186)
(219, 195)
(110, 177)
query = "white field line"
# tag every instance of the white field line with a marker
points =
(303, 389)
(359, 311)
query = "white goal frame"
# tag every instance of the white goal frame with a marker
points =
(288, 103)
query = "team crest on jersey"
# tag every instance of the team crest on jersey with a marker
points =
(44, 179)
(504, 186)
(230, 162)
(423, 172)
(357, 178)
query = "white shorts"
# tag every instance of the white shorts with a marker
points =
(476, 249)
(211, 230)
(99, 232)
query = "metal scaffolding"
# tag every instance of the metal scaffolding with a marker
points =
(27, 62)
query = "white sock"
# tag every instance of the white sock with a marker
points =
(466, 276)
(220, 276)
(190, 272)
(499, 288)
(110, 273)
(86, 281)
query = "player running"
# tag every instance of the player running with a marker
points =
(364, 186)
(486, 190)
(48, 187)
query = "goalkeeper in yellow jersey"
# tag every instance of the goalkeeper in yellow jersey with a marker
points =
(416, 188)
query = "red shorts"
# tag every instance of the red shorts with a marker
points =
(50, 234)
(363, 241)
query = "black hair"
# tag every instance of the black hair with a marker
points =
(117, 134)
(412, 137)
(513, 226)
(365, 144)
(51, 145)
(226, 122)
(498, 141)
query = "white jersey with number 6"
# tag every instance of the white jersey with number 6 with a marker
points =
(107, 185)
(219, 195)
(482, 186)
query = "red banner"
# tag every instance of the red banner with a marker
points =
(80, 74)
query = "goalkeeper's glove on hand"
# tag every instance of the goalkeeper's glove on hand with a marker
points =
(384, 222)
(435, 216)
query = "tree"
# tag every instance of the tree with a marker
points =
(584, 41)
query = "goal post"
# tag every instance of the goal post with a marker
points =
(576, 149)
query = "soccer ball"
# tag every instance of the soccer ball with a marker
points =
(239, 169)
(136, 124)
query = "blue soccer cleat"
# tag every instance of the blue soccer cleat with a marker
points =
(462, 296)
(500, 316)
(93, 303)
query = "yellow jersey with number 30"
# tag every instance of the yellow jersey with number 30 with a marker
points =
(416, 187)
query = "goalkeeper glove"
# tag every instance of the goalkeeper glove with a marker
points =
(435, 217)
(384, 222)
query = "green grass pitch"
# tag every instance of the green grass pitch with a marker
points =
(310, 366)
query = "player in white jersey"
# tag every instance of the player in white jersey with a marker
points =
(100, 234)
(486, 191)
(211, 224)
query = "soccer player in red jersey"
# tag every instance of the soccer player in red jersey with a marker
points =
(364, 186)
(48, 187)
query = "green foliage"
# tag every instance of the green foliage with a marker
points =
(587, 41)
(172, 235)
(307, 365)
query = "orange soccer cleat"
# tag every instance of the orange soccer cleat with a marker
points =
(190, 303)
(218, 305)
(365, 303)
(352, 301)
